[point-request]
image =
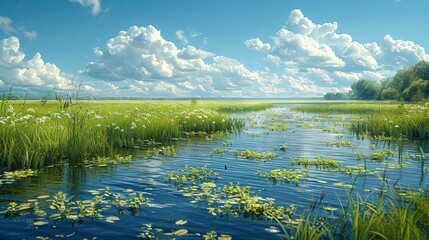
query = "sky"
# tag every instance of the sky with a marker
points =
(206, 48)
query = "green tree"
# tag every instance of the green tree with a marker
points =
(329, 96)
(417, 91)
(366, 89)
(389, 94)
(341, 96)
(421, 70)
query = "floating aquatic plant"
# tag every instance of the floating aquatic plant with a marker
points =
(233, 199)
(220, 151)
(63, 208)
(104, 161)
(379, 155)
(255, 155)
(162, 151)
(18, 174)
(339, 143)
(284, 175)
(324, 163)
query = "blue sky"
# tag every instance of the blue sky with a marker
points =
(223, 48)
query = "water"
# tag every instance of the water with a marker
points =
(304, 138)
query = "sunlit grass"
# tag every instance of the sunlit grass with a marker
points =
(389, 214)
(35, 134)
(381, 120)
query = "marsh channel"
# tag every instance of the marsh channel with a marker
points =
(291, 135)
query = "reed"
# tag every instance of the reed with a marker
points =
(409, 121)
(388, 214)
(389, 120)
(35, 134)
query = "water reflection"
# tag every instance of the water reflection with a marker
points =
(75, 178)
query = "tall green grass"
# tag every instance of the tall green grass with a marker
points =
(388, 214)
(35, 134)
(408, 121)
(380, 119)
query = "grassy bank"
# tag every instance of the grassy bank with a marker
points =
(35, 134)
(381, 119)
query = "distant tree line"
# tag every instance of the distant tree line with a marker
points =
(409, 84)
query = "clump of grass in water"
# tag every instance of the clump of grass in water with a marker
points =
(162, 151)
(284, 175)
(103, 161)
(339, 143)
(255, 155)
(318, 161)
(378, 156)
(219, 150)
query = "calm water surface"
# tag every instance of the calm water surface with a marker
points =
(305, 137)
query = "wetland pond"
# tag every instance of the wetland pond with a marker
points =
(318, 154)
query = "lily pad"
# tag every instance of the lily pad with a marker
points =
(112, 219)
(181, 232)
(94, 192)
(181, 222)
(40, 223)
(43, 197)
(55, 216)
(224, 237)
(208, 185)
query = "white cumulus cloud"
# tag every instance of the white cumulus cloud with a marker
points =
(33, 75)
(95, 5)
(399, 53)
(141, 56)
(317, 58)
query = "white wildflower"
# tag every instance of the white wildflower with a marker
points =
(10, 109)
